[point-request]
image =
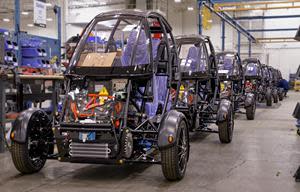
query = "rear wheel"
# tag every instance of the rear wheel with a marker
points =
(174, 159)
(269, 97)
(226, 127)
(31, 156)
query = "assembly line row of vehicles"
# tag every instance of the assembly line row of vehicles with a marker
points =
(137, 98)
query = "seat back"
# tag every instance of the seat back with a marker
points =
(155, 45)
(141, 53)
(192, 59)
(228, 64)
(251, 70)
(161, 83)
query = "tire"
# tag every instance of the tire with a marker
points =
(269, 98)
(21, 160)
(250, 112)
(280, 95)
(275, 97)
(30, 157)
(226, 128)
(174, 159)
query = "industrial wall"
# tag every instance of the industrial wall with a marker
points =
(284, 56)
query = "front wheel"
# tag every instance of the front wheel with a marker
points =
(275, 97)
(280, 95)
(30, 156)
(226, 127)
(250, 111)
(269, 98)
(174, 159)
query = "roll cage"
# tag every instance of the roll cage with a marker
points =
(229, 65)
(162, 27)
(252, 63)
(198, 88)
(155, 67)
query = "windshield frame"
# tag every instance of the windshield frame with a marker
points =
(83, 38)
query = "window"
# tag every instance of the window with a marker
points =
(124, 39)
(193, 58)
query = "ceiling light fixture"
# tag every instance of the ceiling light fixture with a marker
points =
(6, 20)
(49, 19)
(25, 13)
(177, 1)
(30, 25)
(48, 4)
(190, 8)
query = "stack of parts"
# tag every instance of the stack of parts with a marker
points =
(34, 54)
(10, 47)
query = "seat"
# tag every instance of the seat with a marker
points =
(141, 53)
(251, 70)
(159, 95)
(228, 65)
(159, 83)
(155, 45)
(193, 61)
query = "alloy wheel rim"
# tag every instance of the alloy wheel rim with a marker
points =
(182, 147)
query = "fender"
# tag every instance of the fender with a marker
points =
(223, 110)
(168, 127)
(20, 125)
(250, 99)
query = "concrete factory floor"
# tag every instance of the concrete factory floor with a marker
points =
(263, 156)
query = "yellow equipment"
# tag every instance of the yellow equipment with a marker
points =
(103, 95)
(206, 18)
(297, 85)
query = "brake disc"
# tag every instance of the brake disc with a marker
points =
(127, 143)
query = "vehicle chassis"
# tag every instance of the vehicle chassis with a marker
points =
(160, 139)
(240, 96)
(209, 106)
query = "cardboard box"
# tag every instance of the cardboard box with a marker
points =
(119, 53)
(96, 59)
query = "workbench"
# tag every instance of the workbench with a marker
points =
(20, 97)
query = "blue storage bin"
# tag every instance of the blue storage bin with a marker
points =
(9, 56)
(8, 45)
(31, 52)
(33, 62)
(44, 52)
(94, 40)
(16, 47)
(35, 43)
(4, 31)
